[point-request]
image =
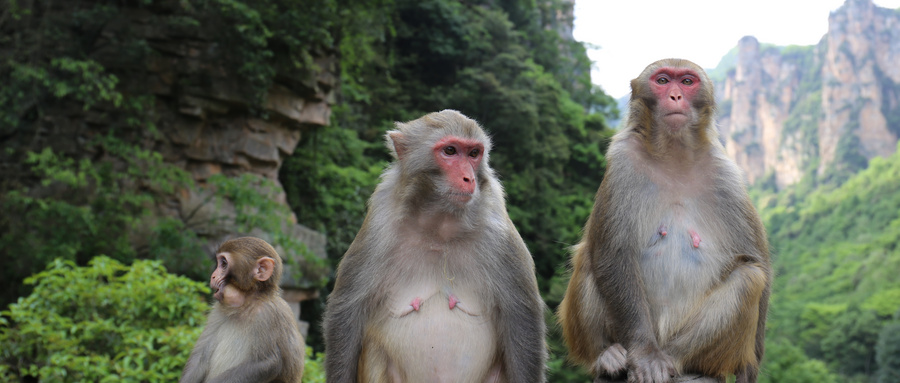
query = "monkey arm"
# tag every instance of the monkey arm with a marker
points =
(345, 316)
(197, 366)
(520, 321)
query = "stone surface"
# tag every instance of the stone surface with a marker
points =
(859, 76)
(205, 119)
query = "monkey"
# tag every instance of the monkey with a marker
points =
(251, 334)
(672, 274)
(438, 285)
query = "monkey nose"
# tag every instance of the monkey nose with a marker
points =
(675, 96)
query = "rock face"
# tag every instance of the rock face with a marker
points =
(788, 111)
(209, 126)
(204, 118)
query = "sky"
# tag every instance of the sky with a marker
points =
(625, 36)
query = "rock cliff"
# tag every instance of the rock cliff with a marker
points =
(790, 111)
(195, 109)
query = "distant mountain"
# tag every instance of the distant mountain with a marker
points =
(820, 111)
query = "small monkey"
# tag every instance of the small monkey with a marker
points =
(438, 286)
(672, 275)
(251, 334)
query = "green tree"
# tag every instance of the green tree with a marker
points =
(888, 353)
(106, 322)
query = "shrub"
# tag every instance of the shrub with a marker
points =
(106, 322)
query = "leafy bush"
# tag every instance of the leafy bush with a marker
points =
(106, 322)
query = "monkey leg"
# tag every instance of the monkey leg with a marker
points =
(719, 336)
(583, 315)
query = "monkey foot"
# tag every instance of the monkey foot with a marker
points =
(695, 238)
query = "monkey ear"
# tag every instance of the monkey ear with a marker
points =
(265, 266)
(396, 144)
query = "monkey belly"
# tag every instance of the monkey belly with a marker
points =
(432, 344)
(677, 274)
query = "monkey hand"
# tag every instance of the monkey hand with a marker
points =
(612, 362)
(650, 365)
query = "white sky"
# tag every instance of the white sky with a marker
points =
(630, 34)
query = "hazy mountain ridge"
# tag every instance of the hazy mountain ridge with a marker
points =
(821, 110)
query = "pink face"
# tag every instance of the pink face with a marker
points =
(459, 159)
(219, 276)
(675, 88)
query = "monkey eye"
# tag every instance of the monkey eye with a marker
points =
(687, 81)
(474, 153)
(450, 150)
(662, 81)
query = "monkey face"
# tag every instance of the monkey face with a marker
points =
(459, 159)
(219, 278)
(675, 90)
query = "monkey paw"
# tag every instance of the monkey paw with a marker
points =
(612, 362)
(652, 367)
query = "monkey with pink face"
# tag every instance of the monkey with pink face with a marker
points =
(438, 286)
(672, 275)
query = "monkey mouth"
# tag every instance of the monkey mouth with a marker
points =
(676, 119)
(461, 198)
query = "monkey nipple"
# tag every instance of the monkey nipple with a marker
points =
(453, 301)
(662, 230)
(416, 303)
(695, 238)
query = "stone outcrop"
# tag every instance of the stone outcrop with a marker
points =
(851, 76)
(206, 119)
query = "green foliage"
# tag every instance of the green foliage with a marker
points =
(786, 363)
(330, 167)
(81, 208)
(837, 258)
(888, 353)
(314, 367)
(106, 322)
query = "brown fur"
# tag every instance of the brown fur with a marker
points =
(415, 244)
(675, 308)
(258, 341)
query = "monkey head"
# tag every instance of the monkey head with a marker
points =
(673, 97)
(245, 266)
(444, 156)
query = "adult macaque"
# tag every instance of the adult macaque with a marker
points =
(672, 275)
(438, 285)
(251, 334)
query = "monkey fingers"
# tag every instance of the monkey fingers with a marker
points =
(653, 367)
(695, 238)
(612, 361)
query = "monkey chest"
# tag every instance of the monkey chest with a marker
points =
(232, 349)
(446, 330)
(684, 248)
